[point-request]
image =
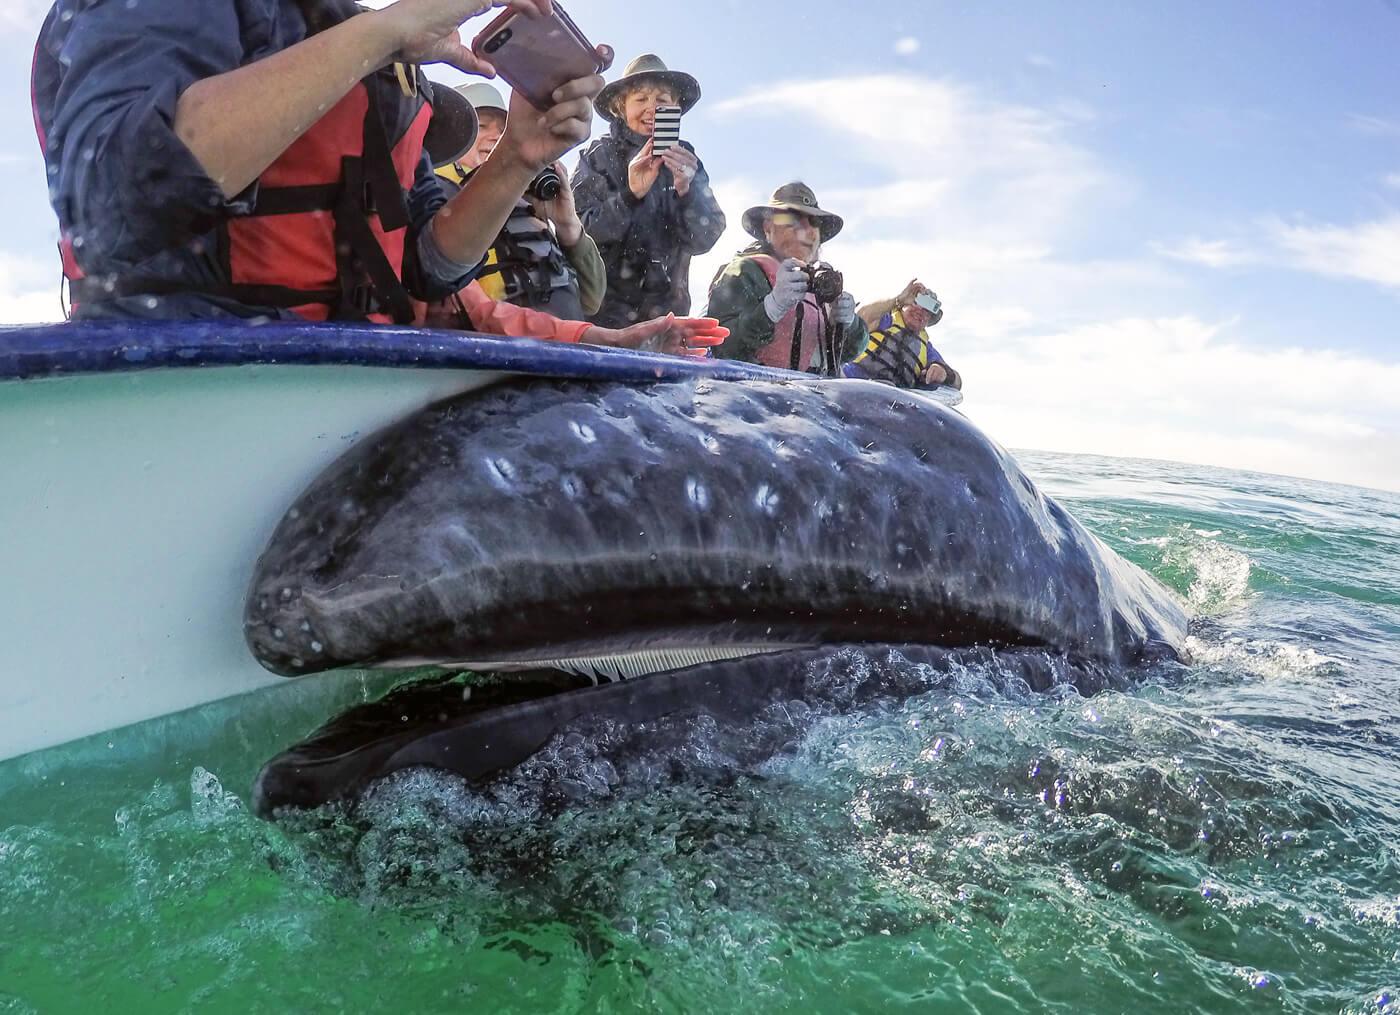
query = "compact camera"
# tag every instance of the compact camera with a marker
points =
(824, 282)
(547, 186)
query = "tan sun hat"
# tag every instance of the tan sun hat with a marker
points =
(649, 67)
(798, 197)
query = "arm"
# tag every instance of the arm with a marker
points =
(873, 313)
(592, 273)
(510, 321)
(736, 301)
(238, 123)
(124, 184)
(429, 274)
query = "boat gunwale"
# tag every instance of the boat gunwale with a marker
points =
(37, 352)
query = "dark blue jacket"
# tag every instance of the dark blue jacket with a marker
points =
(647, 245)
(134, 200)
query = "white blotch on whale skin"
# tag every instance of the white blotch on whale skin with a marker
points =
(698, 494)
(584, 432)
(502, 473)
(766, 499)
(711, 444)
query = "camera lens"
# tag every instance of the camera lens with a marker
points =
(547, 186)
(499, 41)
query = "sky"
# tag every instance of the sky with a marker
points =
(1159, 230)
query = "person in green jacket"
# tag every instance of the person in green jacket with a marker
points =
(765, 295)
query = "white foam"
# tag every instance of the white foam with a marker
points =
(1269, 660)
(1222, 576)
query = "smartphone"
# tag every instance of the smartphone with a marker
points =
(668, 129)
(537, 55)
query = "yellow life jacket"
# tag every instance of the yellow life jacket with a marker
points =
(896, 353)
(526, 266)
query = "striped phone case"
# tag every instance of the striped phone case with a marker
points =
(668, 128)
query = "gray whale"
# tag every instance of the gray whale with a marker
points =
(540, 520)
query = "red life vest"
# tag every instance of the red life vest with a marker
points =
(779, 352)
(326, 236)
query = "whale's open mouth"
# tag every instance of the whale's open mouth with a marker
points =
(571, 537)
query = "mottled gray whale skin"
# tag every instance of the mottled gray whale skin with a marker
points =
(548, 519)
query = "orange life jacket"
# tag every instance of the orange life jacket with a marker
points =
(781, 352)
(326, 236)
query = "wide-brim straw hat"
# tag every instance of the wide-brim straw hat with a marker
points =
(649, 67)
(452, 130)
(796, 197)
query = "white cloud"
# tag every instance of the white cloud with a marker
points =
(24, 15)
(1393, 180)
(1040, 61)
(1376, 125)
(907, 46)
(1180, 388)
(29, 289)
(1059, 351)
(1211, 253)
(1369, 251)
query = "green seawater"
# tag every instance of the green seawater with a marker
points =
(1225, 837)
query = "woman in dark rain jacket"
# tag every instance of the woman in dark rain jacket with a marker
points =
(648, 213)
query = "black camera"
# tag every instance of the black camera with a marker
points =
(824, 282)
(547, 186)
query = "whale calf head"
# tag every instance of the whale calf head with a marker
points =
(623, 526)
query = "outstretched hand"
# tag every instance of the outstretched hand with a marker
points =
(675, 336)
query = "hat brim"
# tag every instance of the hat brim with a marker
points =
(830, 223)
(685, 87)
(453, 128)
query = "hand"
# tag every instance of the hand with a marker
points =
(683, 166)
(788, 290)
(910, 293)
(534, 139)
(843, 311)
(935, 374)
(642, 173)
(427, 31)
(568, 227)
(675, 336)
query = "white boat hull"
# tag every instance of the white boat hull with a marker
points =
(134, 508)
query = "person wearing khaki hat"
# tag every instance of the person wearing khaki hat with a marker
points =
(650, 211)
(784, 307)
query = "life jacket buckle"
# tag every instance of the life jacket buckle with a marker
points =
(364, 300)
(367, 201)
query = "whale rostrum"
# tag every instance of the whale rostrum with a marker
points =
(627, 529)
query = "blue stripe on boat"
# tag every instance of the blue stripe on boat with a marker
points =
(53, 350)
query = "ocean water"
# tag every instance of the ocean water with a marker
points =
(1224, 837)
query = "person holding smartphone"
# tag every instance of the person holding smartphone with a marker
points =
(649, 212)
(900, 351)
(264, 158)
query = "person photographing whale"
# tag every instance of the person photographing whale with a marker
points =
(784, 307)
(543, 259)
(265, 158)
